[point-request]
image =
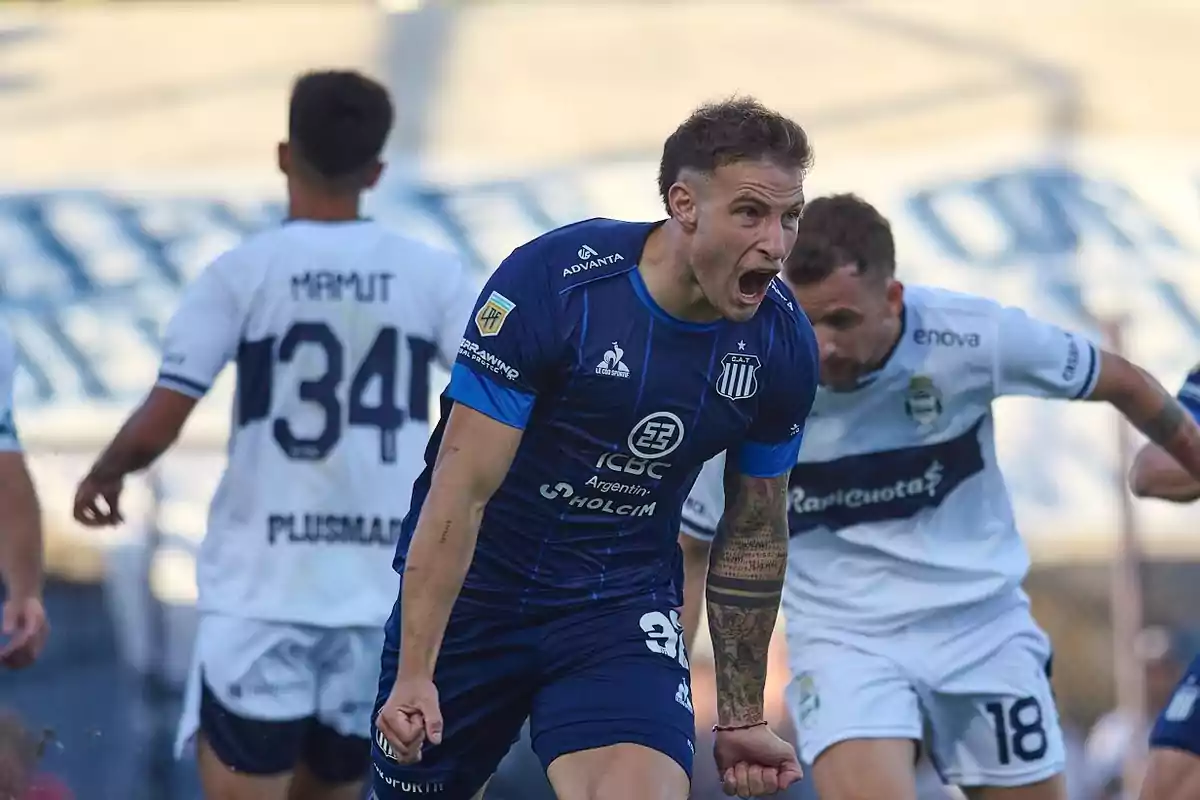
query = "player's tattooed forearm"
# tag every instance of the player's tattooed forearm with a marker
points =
(741, 633)
(742, 592)
(752, 536)
(1164, 425)
(745, 580)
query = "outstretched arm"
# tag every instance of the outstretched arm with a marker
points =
(1169, 466)
(1155, 473)
(475, 455)
(1042, 360)
(745, 581)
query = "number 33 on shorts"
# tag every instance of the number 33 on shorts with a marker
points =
(665, 635)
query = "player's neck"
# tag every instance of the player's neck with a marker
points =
(669, 279)
(328, 208)
(890, 343)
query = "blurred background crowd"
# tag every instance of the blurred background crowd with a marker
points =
(1045, 154)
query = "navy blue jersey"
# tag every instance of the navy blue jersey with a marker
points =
(1189, 393)
(620, 404)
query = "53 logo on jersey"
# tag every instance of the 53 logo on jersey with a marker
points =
(656, 436)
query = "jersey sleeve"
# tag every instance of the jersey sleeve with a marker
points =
(202, 337)
(1189, 393)
(706, 502)
(455, 312)
(773, 440)
(10, 442)
(1037, 359)
(511, 342)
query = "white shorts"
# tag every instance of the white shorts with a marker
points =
(277, 672)
(981, 692)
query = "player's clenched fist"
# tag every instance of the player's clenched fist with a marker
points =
(92, 489)
(410, 717)
(754, 762)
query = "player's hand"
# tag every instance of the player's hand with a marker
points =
(25, 626)
(754, 762)
(92, 489)
(410, 717)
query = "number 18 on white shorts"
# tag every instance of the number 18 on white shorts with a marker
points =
(981, 700)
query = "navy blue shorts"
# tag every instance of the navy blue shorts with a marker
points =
(587, 679)
(1178, 726)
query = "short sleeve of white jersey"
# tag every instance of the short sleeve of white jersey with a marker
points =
(9, 441)
(202, 337)
(706, 502)
(456, 313)
(1037, 359)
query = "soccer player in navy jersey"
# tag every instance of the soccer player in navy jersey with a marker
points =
(604, 363)
(1173, 772)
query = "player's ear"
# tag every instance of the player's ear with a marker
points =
(895, 296)
(373, 173)
(283, 158)
(681, 200)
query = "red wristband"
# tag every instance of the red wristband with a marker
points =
(719, 728)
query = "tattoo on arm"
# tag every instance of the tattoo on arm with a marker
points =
(745, 581)
(1161, 427)
(1165, 422)
(1150, 408)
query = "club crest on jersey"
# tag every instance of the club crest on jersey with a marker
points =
(739, 376)
(923, 403)
(491, 315)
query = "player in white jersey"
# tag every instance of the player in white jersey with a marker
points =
(903, 600)
(334, 323)
(23, 625)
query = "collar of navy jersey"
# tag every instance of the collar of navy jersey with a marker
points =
(659, 313)
(871, 377)
(297, 220)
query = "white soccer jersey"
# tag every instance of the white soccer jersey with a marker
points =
(897, 507)
(334, 328)
(9, 442)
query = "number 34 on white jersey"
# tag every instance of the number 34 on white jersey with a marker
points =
(334, 328)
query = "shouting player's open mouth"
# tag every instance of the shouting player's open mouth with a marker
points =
(753, 285)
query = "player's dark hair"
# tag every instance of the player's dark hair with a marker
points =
(813, 259)
(338, 123)
(848, 230)
(738, 129)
